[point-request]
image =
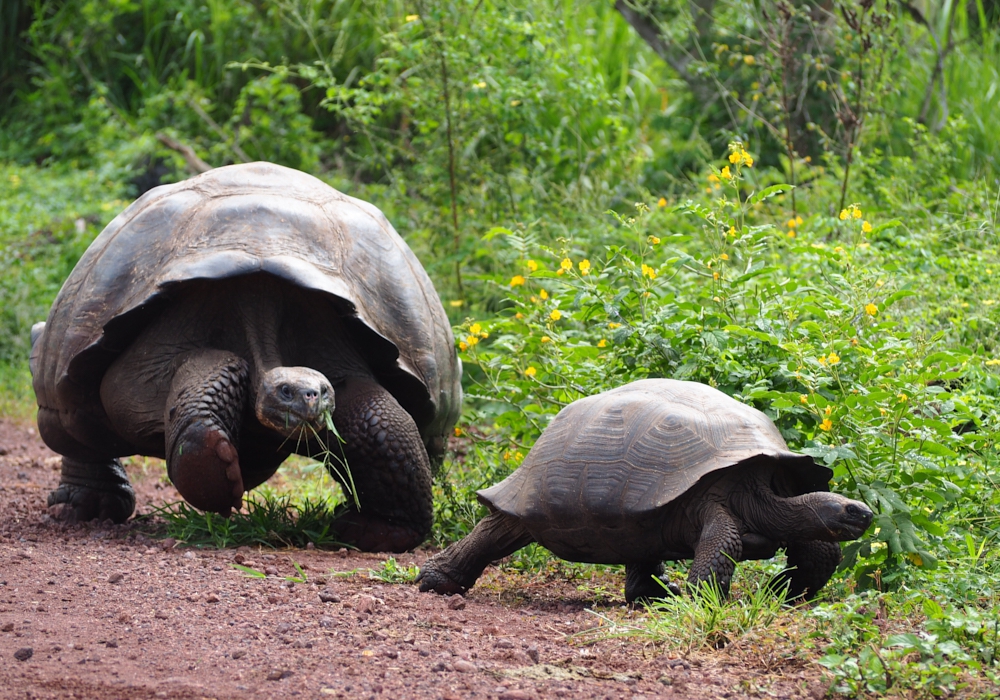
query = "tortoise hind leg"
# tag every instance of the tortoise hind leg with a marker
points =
(387, 469)
(93, 484)
(89, 490)
(644, 581)
(809, 566)
(457, 568)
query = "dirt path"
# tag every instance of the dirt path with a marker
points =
(96, 611)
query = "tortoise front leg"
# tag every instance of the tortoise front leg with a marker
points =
(203, 415)
(719, 548)
(809, 566)
(387, 469)
(457, 568)
(641, 582)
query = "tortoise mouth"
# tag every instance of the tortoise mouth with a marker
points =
(294, 401)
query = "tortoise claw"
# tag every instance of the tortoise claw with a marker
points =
(433, 579)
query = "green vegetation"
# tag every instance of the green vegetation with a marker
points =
(795, 203)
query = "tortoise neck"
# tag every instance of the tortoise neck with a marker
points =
(765, 512)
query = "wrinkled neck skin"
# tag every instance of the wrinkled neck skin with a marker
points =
(758, 509)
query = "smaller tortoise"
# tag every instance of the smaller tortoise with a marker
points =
(661, 470)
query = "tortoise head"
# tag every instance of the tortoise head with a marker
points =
(833, 517)
(290, 398)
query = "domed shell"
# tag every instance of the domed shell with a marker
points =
(609, 465)
(237, 220)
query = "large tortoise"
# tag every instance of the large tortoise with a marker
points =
(218, 322)
(661, 470)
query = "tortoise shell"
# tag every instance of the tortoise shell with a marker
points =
(239, 220)
(606, 471)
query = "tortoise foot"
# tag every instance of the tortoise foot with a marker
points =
(205, 468)
(647, 582)
(370, 533)
(92, 491)
(432, 578)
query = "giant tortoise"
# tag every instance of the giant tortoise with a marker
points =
(219, 323)
(659, 470)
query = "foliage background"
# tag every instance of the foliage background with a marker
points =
(577, 179)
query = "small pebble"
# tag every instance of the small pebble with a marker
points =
(328, 596)
(238, 654)
(111, 644)
(211, 598)
(463, 666)
(160, 615)
(278, 674)
(24, 653)
(7, 627)
(456, 602)
(271, 570)
(439, 666)
(391, 654)
(533, 654)
(115, 578)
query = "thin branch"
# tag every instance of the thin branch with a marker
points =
(195, 164)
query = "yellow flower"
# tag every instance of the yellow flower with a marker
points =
(661, 202)
(566, 264)
(902, 397)
(732, 230)
(412, 18)
(518, 315)
(724, 257)
(653, 240)
(833, 358)
(584, 266)
(827, 424)
(715, 275)
(648, 271)
(866, 227)
(838, 249)
(531, 371)
(515, 103)
(555, 315)
(828, 410)
(455, 303)
(602, 343)
(458, 431)
(532, 265)
(749, 60)
(871, 309)
(534, 300)
(480, 85)
(717, 300)
(462, 346)
(993, 363)
(791, 234)
(855, 212)
(471, 340)
(822, 359)
(518, 456)
(516, 281)
(543, 294)
(798, 220)
(747, 159)
(712, 177)
(546, 339)
(844, 214)
(725, 174)
(475, 329)
(790, 223)
(614, 325)
(803, 398)
(734, 157)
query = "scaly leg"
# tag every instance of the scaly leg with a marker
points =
(717, 551)
(640, 585)
(457, 568)
(203, 415)
(387, 468)
(810, 565)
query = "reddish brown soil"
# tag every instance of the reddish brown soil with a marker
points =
(107, 612)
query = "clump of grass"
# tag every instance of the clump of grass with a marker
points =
(272, 521)
(394, 572)
(704, 620)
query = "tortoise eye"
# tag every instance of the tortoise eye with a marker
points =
(286, 391)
